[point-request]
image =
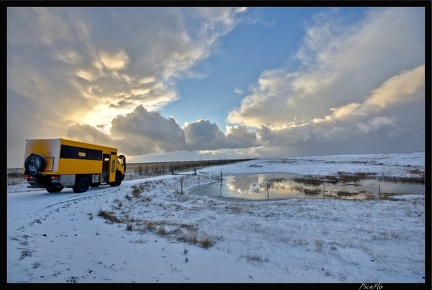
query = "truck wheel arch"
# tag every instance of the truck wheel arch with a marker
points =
(118, 179)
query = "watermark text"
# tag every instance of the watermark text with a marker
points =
(376, 286)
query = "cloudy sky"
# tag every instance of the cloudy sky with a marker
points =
(167, 84)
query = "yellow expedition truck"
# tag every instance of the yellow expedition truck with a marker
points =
(54, 164)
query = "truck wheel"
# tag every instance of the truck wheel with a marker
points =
(34, 163)
(82, 184)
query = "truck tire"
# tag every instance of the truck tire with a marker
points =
(34, 163)
(82, 184)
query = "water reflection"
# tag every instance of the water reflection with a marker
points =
(282, 186)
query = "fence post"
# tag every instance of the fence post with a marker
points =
(220, 190)
(324, 190)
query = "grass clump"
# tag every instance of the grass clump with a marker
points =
(256, 259)
(110, 218)
(179, 232)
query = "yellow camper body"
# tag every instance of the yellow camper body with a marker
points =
(57, 163)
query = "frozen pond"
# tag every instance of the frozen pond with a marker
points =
(282, 186)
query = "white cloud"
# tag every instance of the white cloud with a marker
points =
(341, 64)
(71, 57)
(407, 86)
(364, 73)
(238, 91)
(136, 63)
(114, 61)
(376, 123)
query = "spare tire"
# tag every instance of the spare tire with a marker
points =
(35, 163)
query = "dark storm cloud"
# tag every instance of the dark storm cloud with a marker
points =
(144, 132)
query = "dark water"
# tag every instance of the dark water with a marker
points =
(283, 186)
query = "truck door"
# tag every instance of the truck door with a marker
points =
(112, 170)
(106, 168)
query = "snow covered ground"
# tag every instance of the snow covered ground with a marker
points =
(148, 231)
